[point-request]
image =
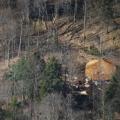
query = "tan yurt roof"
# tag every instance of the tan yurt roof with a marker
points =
(100, 69)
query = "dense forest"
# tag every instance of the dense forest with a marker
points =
(59, 59)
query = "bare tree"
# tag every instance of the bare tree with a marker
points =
(75, 10)
(21, 34)
(85, 18)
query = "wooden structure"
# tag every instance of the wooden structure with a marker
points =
(100, 69)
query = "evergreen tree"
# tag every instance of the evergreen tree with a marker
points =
(112, 96)
(52, 80)
(22, 71)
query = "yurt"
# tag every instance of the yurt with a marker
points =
(100, 69)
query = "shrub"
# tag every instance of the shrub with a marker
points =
(52, 81)
(21, 71)
(92, 50)
(112, 96)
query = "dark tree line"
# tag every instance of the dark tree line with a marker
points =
(48, 10)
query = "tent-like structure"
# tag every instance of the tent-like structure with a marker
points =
(100, 69)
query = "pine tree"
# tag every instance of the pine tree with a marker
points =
(112, 96)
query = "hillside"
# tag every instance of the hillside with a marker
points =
(44, 49)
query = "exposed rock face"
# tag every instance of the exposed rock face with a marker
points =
(101, 69)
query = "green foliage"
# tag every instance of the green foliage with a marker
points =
(112, 97)
(14, 103)
(92, 50)
(52, 69)
(52, 81)
(20, 71)
(43, 88)
(112, 89)
(14, 112)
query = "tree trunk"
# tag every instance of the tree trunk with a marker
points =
(8, 54)
(20, 41)
(85, 16)
(75, 10)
